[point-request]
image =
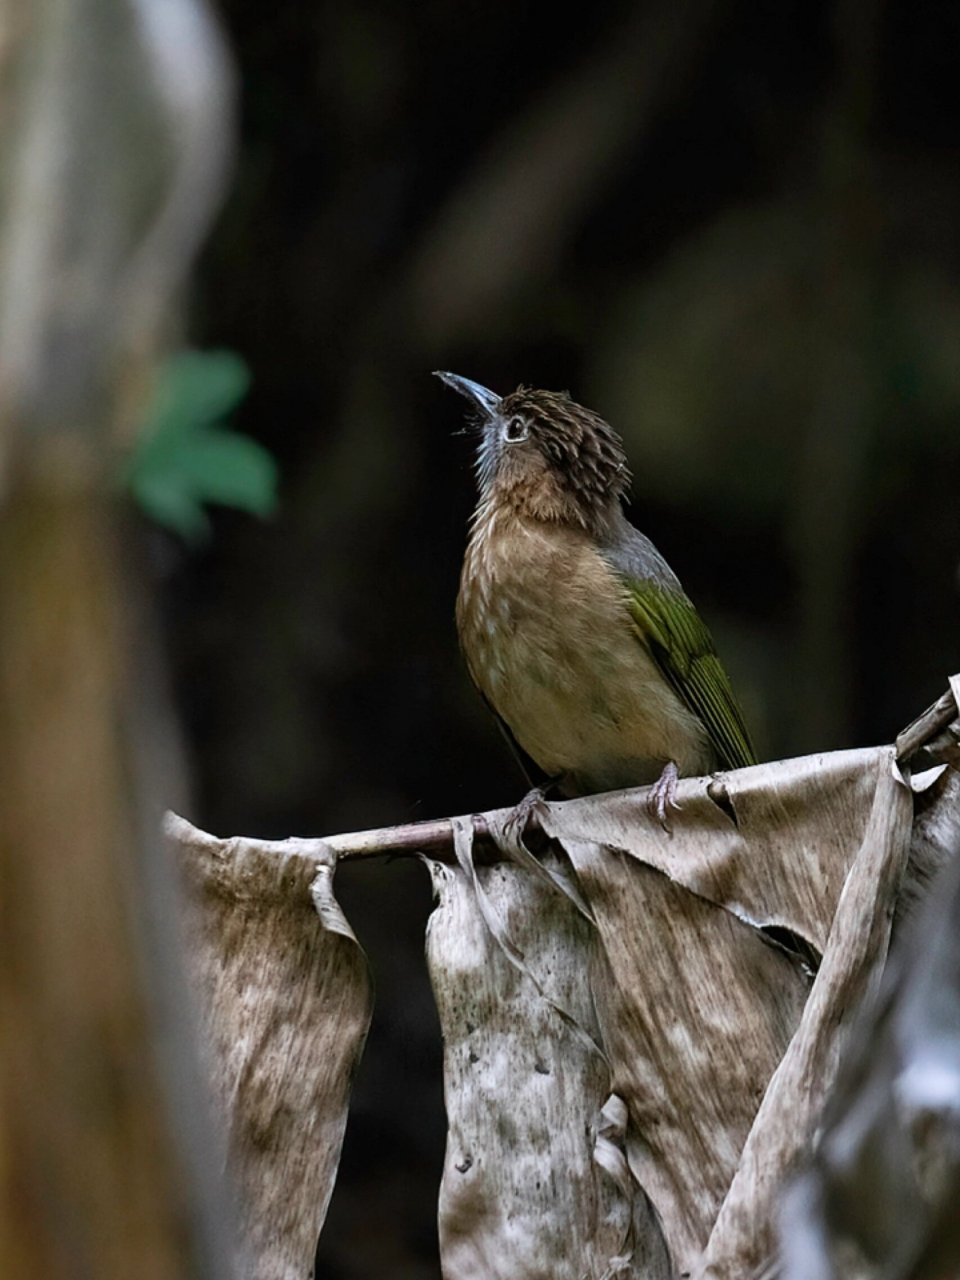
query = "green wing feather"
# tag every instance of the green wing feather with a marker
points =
(684, 651)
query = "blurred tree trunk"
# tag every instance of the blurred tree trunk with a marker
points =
(106, 184)
(95, 1180)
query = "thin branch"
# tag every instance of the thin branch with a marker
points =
(435, 836)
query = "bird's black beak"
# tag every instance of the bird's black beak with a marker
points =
(486, 401)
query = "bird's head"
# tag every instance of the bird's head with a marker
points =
(545, 455)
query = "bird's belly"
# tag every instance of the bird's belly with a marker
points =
(562, 664)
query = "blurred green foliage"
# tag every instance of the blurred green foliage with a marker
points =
(185, 456)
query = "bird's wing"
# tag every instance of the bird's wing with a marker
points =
(683, 648)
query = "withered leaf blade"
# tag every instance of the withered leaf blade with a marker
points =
(883, 1184)
(524, 1194)
(696, 1016)
(772, 843)
(703, 1012)
(848, 979)
(285, 1001)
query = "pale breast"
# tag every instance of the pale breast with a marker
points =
(548, 639)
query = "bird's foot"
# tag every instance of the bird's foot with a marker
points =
(663, 795)
(523, 811)
(519, 817)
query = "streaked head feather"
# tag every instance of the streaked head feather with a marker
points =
(569, 468)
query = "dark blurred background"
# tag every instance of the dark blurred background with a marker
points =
(731, 229)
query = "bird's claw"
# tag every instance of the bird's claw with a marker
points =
(663, 795)
(524, 810)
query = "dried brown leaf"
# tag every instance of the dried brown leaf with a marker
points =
(702, 1011)
(523, 1194)
(285, 1001)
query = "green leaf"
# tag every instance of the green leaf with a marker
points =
(225, 467)
(195, 389)
(163, 498)
(185, 458)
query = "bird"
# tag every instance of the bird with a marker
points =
(574, 628)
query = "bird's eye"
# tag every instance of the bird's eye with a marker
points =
(515, 430)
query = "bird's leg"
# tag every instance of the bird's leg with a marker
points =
(526, 807)
(524, 810)
(663, 794)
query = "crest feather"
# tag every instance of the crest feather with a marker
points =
(582, 448)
